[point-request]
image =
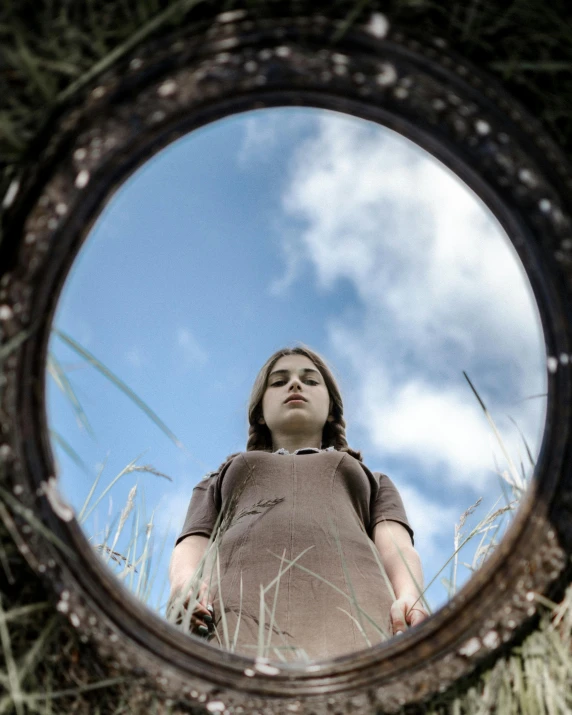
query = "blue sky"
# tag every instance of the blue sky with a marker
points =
(298, 225)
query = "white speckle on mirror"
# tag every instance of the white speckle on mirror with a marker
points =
(168, 88)
(503, 138)
(114, 637)
(293, 707)
(29, 238)
(26, 529)
(11, 193)
(438, 104)
(439, 42)
(454, 99)
(530, 596)
(511, 623)
(51, 563)
(483, 128)
(564, 359)
(359, 78)
(61, 209)
(216, 706)
(251, 66)
(265, 54)
(18, 488)
(98, 92)
(80, 154)
(44, 201)
(544, 205)
(136, 63)
(387, 76)
(378, 25)
(552, 364)
(249, 673)
(53, 223)
(157, 116)
(5, 452)
(92, 620)
(61, 508)
(527, 177)
(74, 618)
(82, 179)
(326, 76)
(340, 59)
(262, 666)
(472, 646)
(531, 611)
(231, 16)
(5, 312)
(283, 51)
(63, 606)
(42, 568)
(401, 93)
(491, 640)
(223, 57)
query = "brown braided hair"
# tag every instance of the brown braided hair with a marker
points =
(334, 433)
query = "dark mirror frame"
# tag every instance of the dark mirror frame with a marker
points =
(166, 89)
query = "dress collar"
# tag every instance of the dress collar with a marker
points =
(303, 450)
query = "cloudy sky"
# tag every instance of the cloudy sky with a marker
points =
(299, 225)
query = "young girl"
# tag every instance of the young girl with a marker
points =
(294, 548)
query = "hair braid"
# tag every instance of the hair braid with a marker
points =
(335, 436)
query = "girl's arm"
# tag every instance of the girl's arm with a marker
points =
(185, 559)
(403, 567)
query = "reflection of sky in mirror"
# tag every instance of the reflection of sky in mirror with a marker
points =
(292, 225)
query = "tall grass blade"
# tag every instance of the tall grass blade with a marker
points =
(69, 450)
(98, 365)
(81, 514)
(237, 627)
(15, 695)
(61, 379)
(516, 475)
(29, 516)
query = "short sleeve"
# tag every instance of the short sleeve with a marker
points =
(387, 504)
(204, 508)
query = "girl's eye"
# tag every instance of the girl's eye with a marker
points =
(312, 382)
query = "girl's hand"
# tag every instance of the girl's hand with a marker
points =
(406, 611)
(202, 616)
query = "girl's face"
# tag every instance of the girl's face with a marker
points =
(296, 400)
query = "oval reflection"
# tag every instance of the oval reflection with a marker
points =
(264, 230)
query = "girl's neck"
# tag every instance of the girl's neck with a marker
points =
(293, 442)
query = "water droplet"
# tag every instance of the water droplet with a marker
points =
(552, 364)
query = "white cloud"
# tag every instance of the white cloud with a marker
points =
(440, 289)
(260, 137)
(193, 352)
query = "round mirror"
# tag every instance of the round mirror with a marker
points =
(267, 229)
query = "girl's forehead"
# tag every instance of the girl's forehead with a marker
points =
(293, 363)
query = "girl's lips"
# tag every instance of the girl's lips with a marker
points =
(295, 399)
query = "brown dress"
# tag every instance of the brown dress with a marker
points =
(317, 510)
